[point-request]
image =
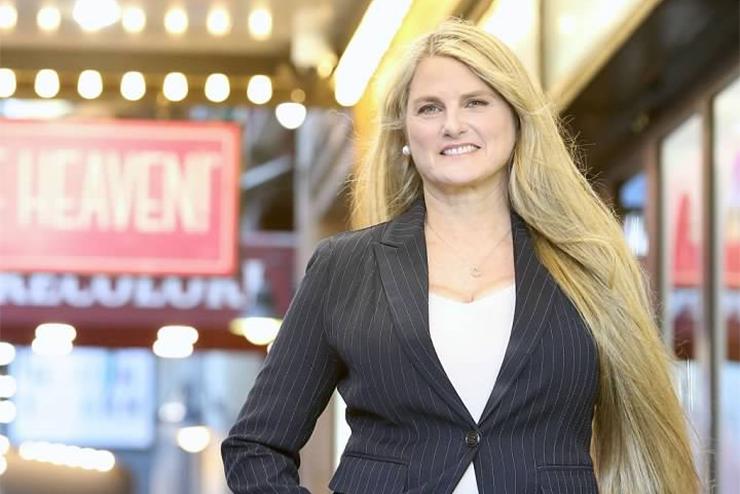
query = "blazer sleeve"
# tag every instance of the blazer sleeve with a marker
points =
(298, 377)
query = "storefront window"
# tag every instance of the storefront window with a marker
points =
(683, 284)
(727, 258)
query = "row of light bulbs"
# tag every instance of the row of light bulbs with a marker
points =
(93, 15)
(175, 88)
(173, 341)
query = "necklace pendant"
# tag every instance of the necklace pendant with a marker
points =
(475, 273)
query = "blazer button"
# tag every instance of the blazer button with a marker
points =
(472, 439)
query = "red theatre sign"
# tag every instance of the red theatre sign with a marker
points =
(118, 197)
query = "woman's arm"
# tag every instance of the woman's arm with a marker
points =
(299, 375)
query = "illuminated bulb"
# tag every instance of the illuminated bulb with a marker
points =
(133, 20)
(184, 334)
(48, 18)
(105, 461)
(218, 22)
(193, 439)
(7, 84)
(175, 341)
(7, 387)
(176, 21)
(55, 331)
(90, 84)
(46, 83)
(260, 24)
(217, 88)
(93, 15)
(290, 115)
(175, 87)
(172, 349)
(8, 16)
(133, 86)
(261, 330)
(7, 412)
(7, 353)
(3, 465)
(298, 95)
(4, 445)
(259, 89)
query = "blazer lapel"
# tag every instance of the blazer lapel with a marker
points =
(535, 289)
(402, 259)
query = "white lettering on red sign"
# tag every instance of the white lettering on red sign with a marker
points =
(141, 191)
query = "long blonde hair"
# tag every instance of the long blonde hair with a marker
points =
(640, 441)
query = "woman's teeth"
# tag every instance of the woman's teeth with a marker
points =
(459, 150)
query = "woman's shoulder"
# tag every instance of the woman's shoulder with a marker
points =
(355, 239)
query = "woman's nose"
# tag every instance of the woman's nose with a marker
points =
(453, 124)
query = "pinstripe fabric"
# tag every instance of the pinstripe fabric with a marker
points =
(359, 322)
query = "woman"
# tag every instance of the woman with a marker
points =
(490, 332)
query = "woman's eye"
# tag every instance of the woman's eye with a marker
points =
(426, 109)
(477, 102)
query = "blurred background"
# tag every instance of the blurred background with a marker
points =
(168, 166)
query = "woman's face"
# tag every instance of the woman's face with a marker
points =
(461, 133)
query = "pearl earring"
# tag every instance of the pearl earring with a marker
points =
(405, 150)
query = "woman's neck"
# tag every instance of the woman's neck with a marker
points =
(474, 218)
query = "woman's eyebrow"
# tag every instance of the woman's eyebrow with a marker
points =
(435, 99)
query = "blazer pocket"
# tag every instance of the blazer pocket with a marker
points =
(364, 474)
(566, 479)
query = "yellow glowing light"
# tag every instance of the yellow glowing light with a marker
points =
(93, 15)
(90, 84)
(290, 115)
(217, 88)
(176, 21)
(46, 83)
(194, 439)
(218, 21)
(7, 84)
(175, 87)
(133, 86)
(8, 16)
(260, 24)
(259, 89)
(48, 18)
(133, 20)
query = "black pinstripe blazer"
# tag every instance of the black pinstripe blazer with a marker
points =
(359, 322)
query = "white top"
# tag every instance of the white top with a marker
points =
(470, 340)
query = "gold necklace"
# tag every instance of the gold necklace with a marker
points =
(475, 271)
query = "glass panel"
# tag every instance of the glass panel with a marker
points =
(727, 256)
(573, 28)
(632, 198)
(683, 313)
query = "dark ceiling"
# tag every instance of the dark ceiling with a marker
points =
(682, 43)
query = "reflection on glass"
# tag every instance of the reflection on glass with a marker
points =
(683, 313)
(632, 197)
(727, 259)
